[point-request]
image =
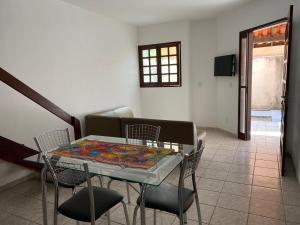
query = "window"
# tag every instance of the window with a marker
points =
(160, 65)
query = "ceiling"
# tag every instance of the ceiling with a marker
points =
(144, 12)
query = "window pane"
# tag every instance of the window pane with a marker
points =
(164, 51)
(153, 70)
(173, 69)
(146, 79)
(146, 62)
(173, 50)
(145, 53)
(165, 78)
(165, 69)
(154, 79)
(164, 60)
(173, 78)
(153, 52)
(173, 59)
(153, 61)
(146, 70)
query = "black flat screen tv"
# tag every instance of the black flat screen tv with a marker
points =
(225, 65)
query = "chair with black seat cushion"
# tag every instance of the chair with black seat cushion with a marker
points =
(89, 203)
(51, 140)
(172, 198)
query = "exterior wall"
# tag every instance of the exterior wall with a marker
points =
(267, 68)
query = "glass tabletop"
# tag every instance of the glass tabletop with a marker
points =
(151, 176)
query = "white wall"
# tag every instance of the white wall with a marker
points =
(229, 25)
(171, 102)
(81, 61)
(203, 83)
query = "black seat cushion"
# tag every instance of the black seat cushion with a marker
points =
(68, 178)
(78, 206)
(165, 198)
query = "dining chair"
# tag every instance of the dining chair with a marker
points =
(139, 134)
(175, 199)
(51, 140)
(90, 202)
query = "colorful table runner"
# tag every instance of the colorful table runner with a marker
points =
(133, 156)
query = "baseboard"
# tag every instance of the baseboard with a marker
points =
(217, 129)
(18, 181)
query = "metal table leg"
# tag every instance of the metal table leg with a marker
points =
(44, 195)
(142, 204)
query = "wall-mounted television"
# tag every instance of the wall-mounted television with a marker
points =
(225, 65)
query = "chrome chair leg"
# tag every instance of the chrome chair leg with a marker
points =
(100, 181)
(128, 193)
(154, 216)
(108, 217)
(185, 218)
(135, 214)
(44, 195)
(126, 213)
(198, 208)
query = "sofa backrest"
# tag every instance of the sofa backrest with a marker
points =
(103, 125)
(171, 131)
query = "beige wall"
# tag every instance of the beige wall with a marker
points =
(266, 77)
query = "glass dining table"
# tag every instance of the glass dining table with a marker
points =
(154, 175)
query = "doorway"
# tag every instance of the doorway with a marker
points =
(254, 55)
(267, 72)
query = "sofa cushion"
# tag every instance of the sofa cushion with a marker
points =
(171, 131)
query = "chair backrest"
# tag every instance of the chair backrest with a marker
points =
(188, 169)
(56, 169)
(141, 133)
(52, 139)
(189, 166)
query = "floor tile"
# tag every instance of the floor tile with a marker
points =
(266, 194)
(10, 219)
(214, 174)
(237, 189)
(268, 157)
(290, 184)
(208, 197)
(219, 166)
(292, 213)
(266, 182)
(210, 184)
(242, 169)
(223, 158)
(291, 198)
(223, 216)
(266, 172)
(189, 222)
(206, 212)
(266, 164)
(239, 178)
(234, 202)
(260, 220)
(267, 208)
(204, 163)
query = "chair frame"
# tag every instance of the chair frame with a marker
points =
(83, 167)
(188, 169)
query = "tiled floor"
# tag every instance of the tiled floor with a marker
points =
(238, 183)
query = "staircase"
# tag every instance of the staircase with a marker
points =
(14, 152)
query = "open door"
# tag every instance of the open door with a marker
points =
(285, 87)
(245, 71)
